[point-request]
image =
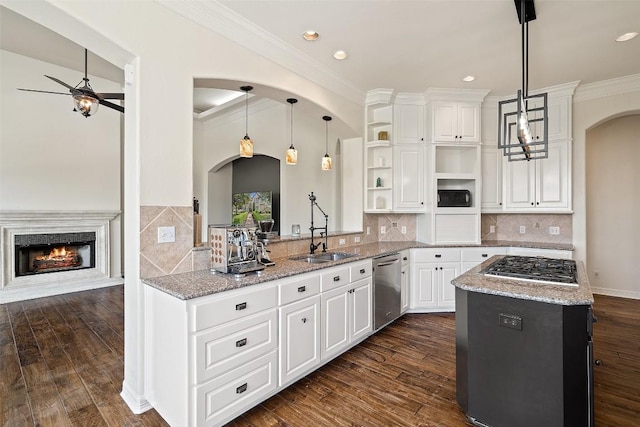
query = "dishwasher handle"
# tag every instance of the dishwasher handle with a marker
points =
(384, 264)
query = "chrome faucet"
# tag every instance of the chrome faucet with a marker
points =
(312, 246)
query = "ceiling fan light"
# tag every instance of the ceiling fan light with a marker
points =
(85, 104)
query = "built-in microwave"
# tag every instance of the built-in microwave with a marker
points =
(454, 198)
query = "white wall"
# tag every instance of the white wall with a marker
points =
(613, 206)
(52, 158)
(269, 127)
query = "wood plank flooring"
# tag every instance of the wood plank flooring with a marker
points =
(61, 364)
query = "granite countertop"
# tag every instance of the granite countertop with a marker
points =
(200, 283)
(473, 281)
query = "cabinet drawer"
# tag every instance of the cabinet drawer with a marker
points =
(299, 288)
(244, 303)
(228, 395)
(360, 270)
(481, 254)
(334, 278)
(435, 255)
(222, 349)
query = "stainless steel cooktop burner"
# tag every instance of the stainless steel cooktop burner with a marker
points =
(535, 269)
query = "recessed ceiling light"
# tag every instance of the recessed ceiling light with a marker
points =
(468, 79)
(340, 55)
(310, 35)
(626, 36)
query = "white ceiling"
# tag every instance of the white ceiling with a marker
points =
(405, 45)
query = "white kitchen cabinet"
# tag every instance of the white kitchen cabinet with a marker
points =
(431, 275)
(346, 316)
(540, 185)
(471, 257)
(408, 121)
(456, 121)
(408, 179)
(299, 338)
(491, 158)
(405, 278)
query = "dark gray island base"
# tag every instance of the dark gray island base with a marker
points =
(523, 361)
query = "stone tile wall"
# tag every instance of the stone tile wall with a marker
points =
(507, 227)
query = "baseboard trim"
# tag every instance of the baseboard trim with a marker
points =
(616, 292)
(138, 404)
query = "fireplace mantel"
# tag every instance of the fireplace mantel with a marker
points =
(14, 223)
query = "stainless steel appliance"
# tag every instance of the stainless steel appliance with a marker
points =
(234, 250)
(454, 198)
(534, 269)
(386, 289)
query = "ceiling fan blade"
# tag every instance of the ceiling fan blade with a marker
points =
(112, 105)
(44, 91)
(104, 95)
(60, 82)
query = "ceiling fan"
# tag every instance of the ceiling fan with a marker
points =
(85, 99)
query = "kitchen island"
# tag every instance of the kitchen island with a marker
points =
(523, 350)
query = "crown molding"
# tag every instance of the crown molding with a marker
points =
(379, 96)
(237, 112)
(227, 23)
(606, 88)
(447, 94)
(410, 99)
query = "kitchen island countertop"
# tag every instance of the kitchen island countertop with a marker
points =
(474, 281)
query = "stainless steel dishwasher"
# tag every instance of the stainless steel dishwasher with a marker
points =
(386, 289)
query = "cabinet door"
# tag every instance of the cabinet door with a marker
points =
(334, 331)
(423, 284)
(299, 338)
(491, 179)
(445, 121)
(408, 193)
(552, 189)
(408, 122)
(361, 322)
(404, 289)
(446, 291)
(468, 122)
(520, 185)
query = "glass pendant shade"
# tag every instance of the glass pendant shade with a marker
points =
(326, 160)
(246, 143)
(85, 104)
(292, 153)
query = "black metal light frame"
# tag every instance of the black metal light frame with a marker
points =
(515, 146)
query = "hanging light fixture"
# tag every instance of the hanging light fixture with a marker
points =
(246, 144)
(292, 153)
(517, 116)
(326, 159)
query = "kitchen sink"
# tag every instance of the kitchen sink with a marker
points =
(322, 257)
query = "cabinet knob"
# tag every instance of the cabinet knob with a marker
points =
(404, 258)
(304, 320)
(485, 255)
(531, 203)
(537, 203)
(438, 256)
(362, 271)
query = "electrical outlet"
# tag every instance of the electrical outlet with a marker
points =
(368, 230)
(404, 229)
(383, 229)
(554, 230)
(166, 234)
(492, 229)
(356, 239)
(342, 242)
(523, 229)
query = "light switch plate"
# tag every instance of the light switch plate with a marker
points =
(166, 234)
(383, 229)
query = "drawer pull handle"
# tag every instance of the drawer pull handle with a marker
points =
(302, 289)
(362, 271)
(241, 343)
(304, 320)
(241, 389)
(485, 255)
(336, 279)
(241, 306)
(438, 256)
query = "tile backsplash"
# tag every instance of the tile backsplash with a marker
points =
(537, 227)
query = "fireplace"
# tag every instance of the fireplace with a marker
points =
(49, 253)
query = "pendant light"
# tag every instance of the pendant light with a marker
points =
(246, 144)
(515, 124)
(326, 160)
(292, 153)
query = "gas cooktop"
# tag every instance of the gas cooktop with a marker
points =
(535, 269)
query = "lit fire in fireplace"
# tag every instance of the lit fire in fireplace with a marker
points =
(58, 257)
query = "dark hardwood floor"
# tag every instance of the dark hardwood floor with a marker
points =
(61, 363)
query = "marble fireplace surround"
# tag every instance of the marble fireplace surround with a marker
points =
(13, 223)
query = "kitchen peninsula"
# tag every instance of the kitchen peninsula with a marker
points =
(524, 353)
